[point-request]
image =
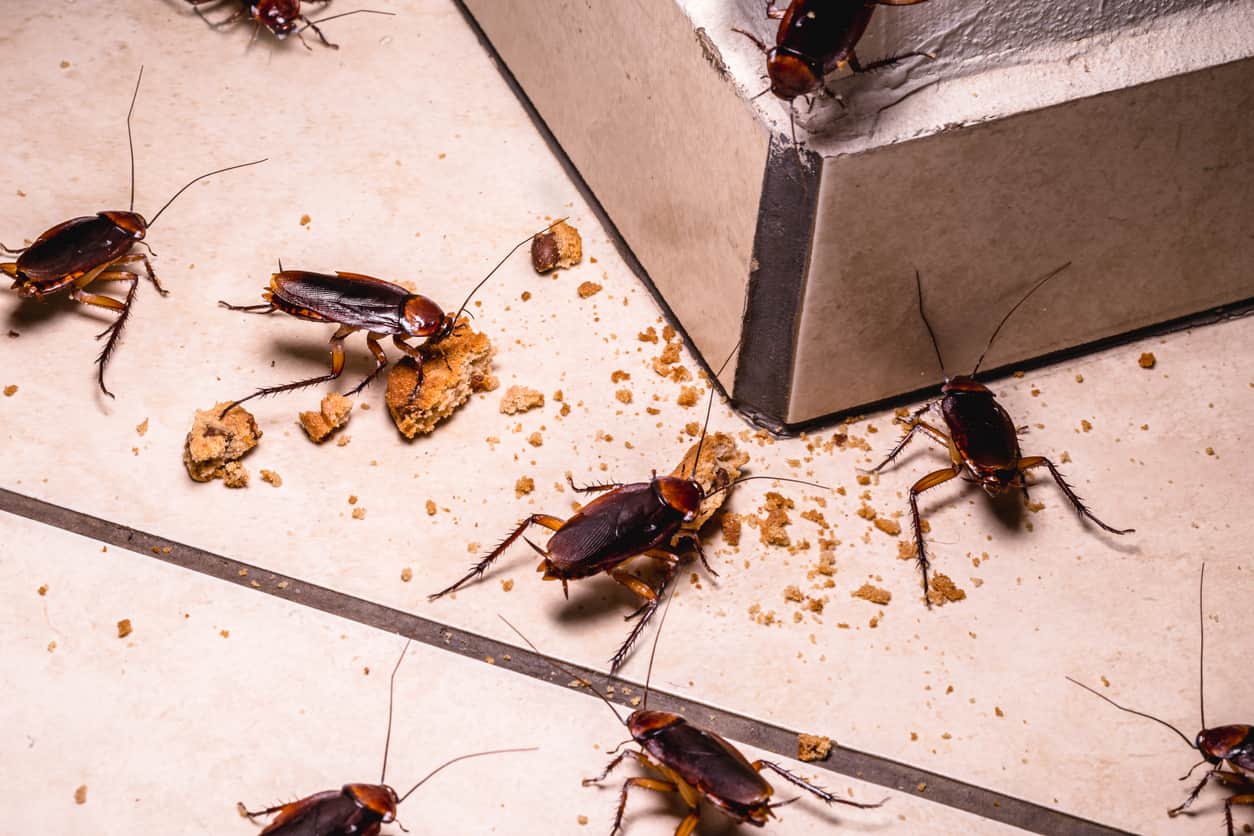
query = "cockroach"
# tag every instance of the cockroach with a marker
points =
(626, 521)
(356, 302)
(1231, 744)
(354, 809)
(699, 764)
(75, 253)
(983, 441)
(816, 38)
(278, 17)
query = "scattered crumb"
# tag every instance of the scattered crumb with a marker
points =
(907, 551)
(535, 439)
(943, 590)
(688, 396)
(874, 594)
(452, 370)
(582, 819)
(226, 634)
(1147, 360)
(1210, 451)
(10, 390)
(997, 710)
(304, 220)
(214, 445)
(407, 575)
(520, 399)
(1085, 425)
(507, 584)
(43, 590)
(124, 628)
(80, 794)
(271, 477)
(731, 528)
(588, 289)
(623, 395)
(331, 415)
(813, 747)
(648, 335)
(359, 513)
(771, 527)
(890, 527)
(142, 427)
(430, 508)
(557, 247)
(524, 486)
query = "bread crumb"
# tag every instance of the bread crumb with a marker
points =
(997, 710)
(559, 246)
(304, 220)
(731, 528)
(430, 508)
(688, 396)
(520, 399)
(535, 439)
(142, 427)
(407, 575)
(214, 445)
(10, 390)
(332, 414)
(1147, 360)
(507, 584)
(588, 289)
(890, 527)
(80, 794)
(43, 590)
(648, 335)
(226, 634)
(813, 747)
(720, 464)
(452, 370)
(623, 395)
(581, 819)
(618, 376)
(524, 486)
(271, 477)
(874, 594)
(359, 513)
(1085, 425)
(943, 590)
(124, 628)
(771, 528)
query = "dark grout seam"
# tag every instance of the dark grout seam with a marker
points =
(873, 769)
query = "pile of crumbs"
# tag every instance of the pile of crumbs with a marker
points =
(943, 590)
(332, 413)
(214, 445)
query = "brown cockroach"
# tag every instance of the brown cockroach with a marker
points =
(354, 809)
(355, 303)
(697, 763)
(1232, 744)
(626, 521)
(278, 17)
(983, 441)
(75, 253)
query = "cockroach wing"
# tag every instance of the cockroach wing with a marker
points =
(1242, 756)
(612, 528)
(711, 764)
(824, 31)
(330, 813)
(982, 430)
(72, 248)
(348, 298)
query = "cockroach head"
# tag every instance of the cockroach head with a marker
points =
(644, 723)
(279, 16)
(792, 74)
(964, 384)
(377, 798)
(1218, 744)
(132, 223)
(421, 317)
(683, 495)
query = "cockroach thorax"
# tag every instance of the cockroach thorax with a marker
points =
(684, 495)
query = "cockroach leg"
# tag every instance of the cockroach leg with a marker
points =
(695, 543)
(772, 12)
(858, 67)
(758, 41)
(12, 251)
(1029, 462)
(337, 368)
(813, 789)
(238, 17)
(262, 309)
(143, 259)
(380, 363)
(1175, 811)
(309, 24)
(114, 331)
(915, 425)
(1247, 798)
(550, 522)
(655, 784)
(592, 488)
(652, 598)
(936, 477)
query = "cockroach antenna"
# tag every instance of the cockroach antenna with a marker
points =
(311, 23)
(775, 478)
(452, 761)
(648, 677)
(581, 680)
(499, 264)
(709, 408)
(130, 142)
(387, 739)
(1201, 649)
(197, 180)
(918, 283)
(1039, 284)
(1189, 743)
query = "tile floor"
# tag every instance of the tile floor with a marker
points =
(410, 171)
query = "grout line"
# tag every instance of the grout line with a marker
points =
(867, 767)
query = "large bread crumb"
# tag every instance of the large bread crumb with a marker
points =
(874, 594)
(719, 466)
(331, 415)
(943, 590)
(813, 747)
(557, 247)
(214, 445)
(453, 369)
(520, 399)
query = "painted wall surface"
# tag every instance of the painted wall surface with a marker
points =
(993, 58)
